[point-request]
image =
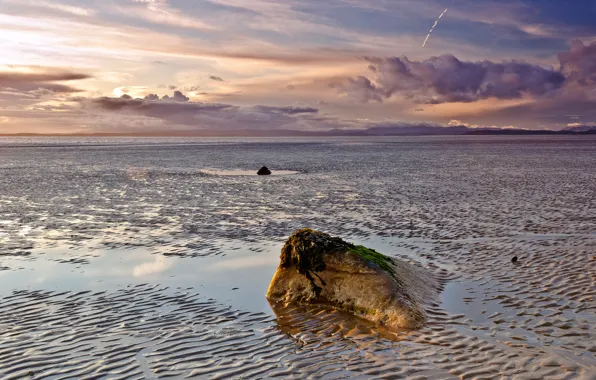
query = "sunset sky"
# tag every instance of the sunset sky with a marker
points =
(87, 66)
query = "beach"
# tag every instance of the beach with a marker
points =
(150, 257)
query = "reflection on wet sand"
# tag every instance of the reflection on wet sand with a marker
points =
(317, 322)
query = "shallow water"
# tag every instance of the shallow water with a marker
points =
(145, 258)
(238, 172)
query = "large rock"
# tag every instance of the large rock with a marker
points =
(318, 268)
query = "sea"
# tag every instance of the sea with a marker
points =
(148, 258)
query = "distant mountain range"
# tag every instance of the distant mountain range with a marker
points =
(567, 131)
(427, 130)
(386, 130)
(581, 128)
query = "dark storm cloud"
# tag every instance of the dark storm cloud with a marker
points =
(447, 79)
(216, 78)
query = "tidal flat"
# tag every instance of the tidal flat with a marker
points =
(150, 257)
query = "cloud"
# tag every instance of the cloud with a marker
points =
(456, 123)
(53, 7)
(363, 90)
(579, 63)
(288, 110)
(39, 80)
(160, 12)
(114, 76)
(179, 97)
(19, 77)
(32, 88)
(216, 78)
(177, 110)
(152, 106)
(446, 79)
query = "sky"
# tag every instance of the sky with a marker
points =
(145, 66)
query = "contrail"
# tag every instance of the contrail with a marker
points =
(433, 27)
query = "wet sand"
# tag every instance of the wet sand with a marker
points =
(132, 262)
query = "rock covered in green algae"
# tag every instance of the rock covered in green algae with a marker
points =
(318, 268)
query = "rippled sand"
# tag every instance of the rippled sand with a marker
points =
(132, 262)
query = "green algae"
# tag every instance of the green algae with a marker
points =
(368, 254)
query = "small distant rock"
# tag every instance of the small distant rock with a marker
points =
(264, 171)
(514, 260)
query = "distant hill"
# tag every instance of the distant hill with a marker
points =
(590, 131)
(581, 128)
(428, 130)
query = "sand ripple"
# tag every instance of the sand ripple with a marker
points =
(149, 331)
